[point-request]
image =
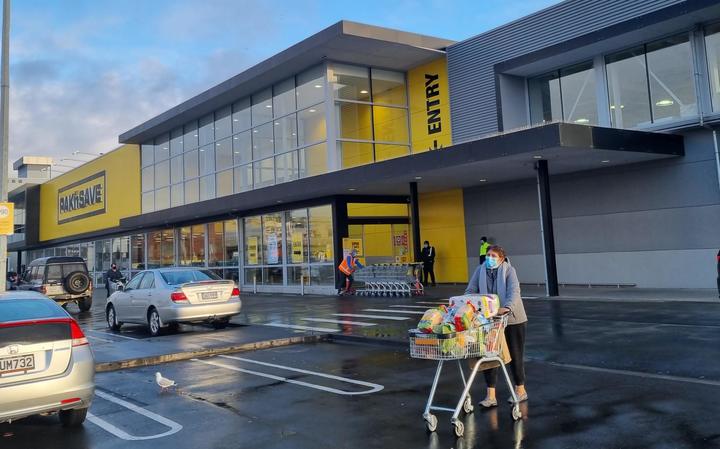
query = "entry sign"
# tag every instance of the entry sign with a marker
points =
(7, 218)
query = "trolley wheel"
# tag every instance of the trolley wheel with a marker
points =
(459, 428)
(467, 405)
(516, 413)
(431, 423)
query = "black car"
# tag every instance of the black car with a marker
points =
(63, 279)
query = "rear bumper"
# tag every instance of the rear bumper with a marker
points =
(199, 312)
(44, 396)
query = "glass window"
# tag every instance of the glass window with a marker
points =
(294, 274)
(207, 188)
(190, 139)
(162, 198)
(176, 170)
(262, 138)
(177, 196)
(579, 100)
(253, 236)
(191, 164)
(224, 183)
(223, 123)
(354, 153)
(672, 81)
(284, 97)
(162, 174)
(216, 251)
(350, 82)
(545, 105)
(192, 191)
(207, 159)
(154, 249)
(206, 130)
(243, 178)
(148, 178)
(384, 151)
(388, 87)
(231, 243)
(162, 147)
(286, 167)
(242, 147)
(148, 202)
(285, 135)
(321, 234)
(272, 275)
(712, 47)
(147, 154)
(148, 281)
(628, 89)
(198, 245)
(354, 120)
(262, 107)
(185, 246)
(311, 125)
(390, 124)
(137, 261)
(313, 160)
(263, 173)
(223, 154)
(176, 141)
(241, 115)
(272, 239)
(135, 282)
(310, 87)
(168, 248)
(296, 224)
(322, 275)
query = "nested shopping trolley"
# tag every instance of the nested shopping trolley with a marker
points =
(483, 343)
(390, 279)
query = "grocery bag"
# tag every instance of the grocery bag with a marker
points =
(487, 305)
(504, 356)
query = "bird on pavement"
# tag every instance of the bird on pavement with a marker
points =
(163, 382)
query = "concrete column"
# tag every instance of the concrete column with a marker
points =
(546, 228)
(415, 219)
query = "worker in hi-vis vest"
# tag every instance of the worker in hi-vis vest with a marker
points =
(484, 245)
(347, 267)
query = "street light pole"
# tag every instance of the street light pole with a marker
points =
(4, 130)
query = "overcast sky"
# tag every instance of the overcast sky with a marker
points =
(84, 71)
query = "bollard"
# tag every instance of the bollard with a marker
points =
(254, 283)
(302, 285)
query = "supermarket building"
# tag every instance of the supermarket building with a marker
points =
(581, 138)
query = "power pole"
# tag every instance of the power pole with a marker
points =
(4, 130)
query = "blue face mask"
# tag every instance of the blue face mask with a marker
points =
(491, 262)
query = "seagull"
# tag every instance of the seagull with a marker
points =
(163, 382)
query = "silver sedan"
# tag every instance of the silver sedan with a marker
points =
(46, 364)
(164, 297)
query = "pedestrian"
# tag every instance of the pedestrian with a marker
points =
(427, 257)
(497, 276)
(347, 267)
(484, 245)
(113, 274)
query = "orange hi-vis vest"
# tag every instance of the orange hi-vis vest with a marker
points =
(345, 269)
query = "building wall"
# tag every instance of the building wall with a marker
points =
(442, 223)
(650, 224)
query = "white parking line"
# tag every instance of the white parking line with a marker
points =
(174, 427)
(374, 388)
(101, 339)
(326, 320)
(113, 335)
(377, 317)
(409, 307)
(529, 297)
(434, 303)
(415, 312)
(302, 328)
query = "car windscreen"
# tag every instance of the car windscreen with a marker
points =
(183, 276)
(29, 309)
(57, 272)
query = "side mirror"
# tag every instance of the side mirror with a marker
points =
(120, 288)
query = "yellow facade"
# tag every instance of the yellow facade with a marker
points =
(442, 223)
(92, 197)
(429, 106)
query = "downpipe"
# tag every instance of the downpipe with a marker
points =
(717, 157)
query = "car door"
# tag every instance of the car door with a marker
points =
(140, 298)
(122, 299)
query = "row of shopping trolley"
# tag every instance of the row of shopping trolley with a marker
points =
(389, 279)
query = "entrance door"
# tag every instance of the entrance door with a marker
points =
(383, 243)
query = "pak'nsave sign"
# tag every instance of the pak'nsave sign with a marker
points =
(81, 199)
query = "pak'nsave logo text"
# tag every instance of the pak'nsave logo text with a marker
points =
(81, 199)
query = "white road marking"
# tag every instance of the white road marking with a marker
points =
(326, 320)
(415, 312)
(529, 297)
(302, 328)
(113, 335)
(101, 339)
(409, 307)
(174, 427)
(377, 317)
(434, 303)
(374, 388)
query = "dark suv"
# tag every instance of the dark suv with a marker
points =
(63, 279)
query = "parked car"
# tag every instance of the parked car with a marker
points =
(62, 279)
(163, 298)
(46, 365)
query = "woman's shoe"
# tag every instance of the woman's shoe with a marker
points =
(521, 398)
(487, 403)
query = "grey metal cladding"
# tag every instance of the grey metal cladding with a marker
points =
(473, 107)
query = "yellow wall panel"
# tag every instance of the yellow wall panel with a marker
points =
(442, 223)
(377, 210)
(429, 106)
(92, 197)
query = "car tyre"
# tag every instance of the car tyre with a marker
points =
(220, 324)
(85, 303)
(154, 322)
(111, 318)
(73, 418)
(77, 282)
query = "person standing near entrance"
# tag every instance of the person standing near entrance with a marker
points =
(347, 267)
(484, 245)
(427, 257)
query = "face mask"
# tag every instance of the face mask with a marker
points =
(427, 246)
(491, 262)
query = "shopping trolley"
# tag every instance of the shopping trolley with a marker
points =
(389, 279)
(483, 343)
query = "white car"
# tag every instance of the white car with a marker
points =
(164, 297)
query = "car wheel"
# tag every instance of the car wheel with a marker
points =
(220, 324)
(77, 282)
(154, 322)
(112, 320)
(85, 303)
(72, 418)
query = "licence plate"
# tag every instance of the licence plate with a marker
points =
(208, 296)
(17, 364)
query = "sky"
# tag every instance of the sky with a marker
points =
(84, 71)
